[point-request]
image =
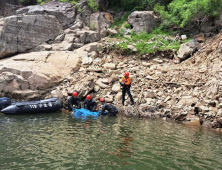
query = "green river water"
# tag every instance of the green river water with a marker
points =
(59, 141)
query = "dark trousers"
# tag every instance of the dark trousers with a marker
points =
(113, 113)
(91, 108)
(124, 90)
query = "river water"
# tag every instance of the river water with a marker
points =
(59, 141)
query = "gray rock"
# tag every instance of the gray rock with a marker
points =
(111, 66)
(101, 22)
(84, 86)
(127, 31)
(206, 28)
(101, 84)
(105, 81)
(21, 33)
(143, 21)
(87, 36)
(64, 12)
(220, 45)
(57, 93)
(59, 38)
(218, 22)
(27, 94)
(118, 96)
(63, 46)
(157, 60)
(96, 88)
(149, 94)
(187, 49)
(86, 60)
(93, 47)
(85, 12)
(112, 32)
(167, 99)
(116, 88)
(187, 101)
(77, 25)
(77, 45)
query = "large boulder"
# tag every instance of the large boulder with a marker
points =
(143, 21)
(84, 86)
(187, 49)
(36, 71)
(86, 37)
(21, 33)
(101, 21)
(64, 12)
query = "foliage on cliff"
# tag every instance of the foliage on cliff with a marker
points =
(135, 5)
(92, 3)
(173, 12)
(182, 12)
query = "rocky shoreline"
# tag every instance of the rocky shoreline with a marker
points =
(55, 49)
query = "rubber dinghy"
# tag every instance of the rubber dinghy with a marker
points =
(41, 106)
(84, 113)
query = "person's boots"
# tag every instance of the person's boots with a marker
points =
(132, 102)
(123, 103)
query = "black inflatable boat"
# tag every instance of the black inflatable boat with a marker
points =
(41, 106)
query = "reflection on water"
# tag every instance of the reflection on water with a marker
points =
(59, 141)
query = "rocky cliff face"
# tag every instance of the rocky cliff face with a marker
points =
(21, 33)
(38, 24)
(64, 12)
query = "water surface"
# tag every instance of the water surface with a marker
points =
(59, 141)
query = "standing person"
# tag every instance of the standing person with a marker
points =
(112, 110)
(89, 103)
(125, 82)
(74, 100)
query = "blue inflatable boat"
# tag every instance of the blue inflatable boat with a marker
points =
(41, 106)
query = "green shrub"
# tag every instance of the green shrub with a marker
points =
(148, 43)
(42, 1)
(71, 1)
(182, 12)
(127, 25)
(64, 0)
(118, 21)
(136, 5)
(79, 9)
(93, 5)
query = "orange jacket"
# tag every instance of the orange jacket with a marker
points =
(127, 81)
